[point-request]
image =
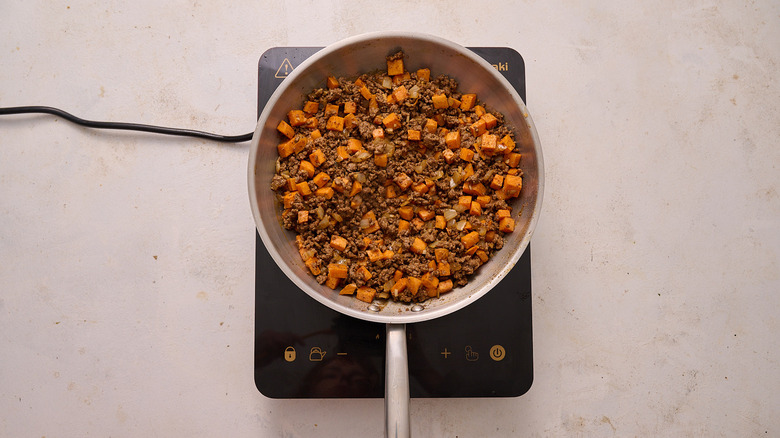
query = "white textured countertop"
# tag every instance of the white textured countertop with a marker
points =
(127, 259)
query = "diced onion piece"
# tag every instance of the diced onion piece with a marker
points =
(320, 212)
(359, 177)
(365, 223)
(387, 82)
(337, 217)
(324, 222)
(449, 213)
(459, 208)
(414, 92)
(460, 225)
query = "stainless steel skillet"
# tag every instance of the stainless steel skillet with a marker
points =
(360, 54)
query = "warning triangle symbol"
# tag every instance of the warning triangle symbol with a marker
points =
(284, 69)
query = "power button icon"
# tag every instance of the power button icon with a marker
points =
(497, 353)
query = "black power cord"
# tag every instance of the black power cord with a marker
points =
(125, 126)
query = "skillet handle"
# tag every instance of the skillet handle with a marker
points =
(396, 383)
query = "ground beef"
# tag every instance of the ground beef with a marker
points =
(376, 199)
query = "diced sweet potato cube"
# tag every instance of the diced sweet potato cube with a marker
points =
(286, 149)
(368, 222)
(332, 282)
(490, 120)
(420, 188)
(406, 212)
(483, 200)
(366, 93)
(311, 107)
(513, 171)
(324, 192)
(399, 286)
(289, 198)
(331, 110)
(332, 82)
(478, 128)
(444, 268)
(378, 133)
(431, 126)
(464, 202)
(475, 209)
(506, 225)
(489, 144)
(472, 250)
(338, 270)
(380, 160)
(391, 121)
(387, 254)
(453, 103)
(413, 134)
(424, 74)
(466, 154)
(303, 216)
(322, 179)
(490, 236)
(285, 129)
(313, 264)
(354, 145)
(418, 246)
(403, 225)
(335, 123)
(338, 243)
(506, 144)
(512, 185)
(483, 257)
(364, 272)
(497, 182)
(395, 67)
(342, 152)
(350, 121)
(400, 94)
(296, 117)
(440, 101)
(429, 281)
(307, 167)
(397, 275)
(403, 181)
(431, 265)
(440, 222)
(444, 287)
(449, 156)
(413, 284)
(315, 134)
(500, 214)
(348, 289)
(291, 184)
(441, 254)
(374, 255)
(467, 101)
(425, 214)
(452, 139)
(311, 123)
(417, 224)
(350, 107)
(513, 159)
(365, 294)
(470, 239)
(317, 157)
(356, 188)
(468, 171)
(479, 110)
(303, 188)
(474, 189)
(398, 79)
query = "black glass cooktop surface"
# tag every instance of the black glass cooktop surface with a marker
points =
(306, 350)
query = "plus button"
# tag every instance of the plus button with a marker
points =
(446, 353)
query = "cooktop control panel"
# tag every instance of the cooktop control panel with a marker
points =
(306, 350)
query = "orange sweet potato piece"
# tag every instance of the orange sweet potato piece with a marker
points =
(470, 239)
(440, 101)
(317, 157)
(506, 225)
(335, 123)
(395, 67)
(365, 294)
(338, 243)
(285, 129)
(424, 74)
(348, 289)
(418, 246)
(467, 101)
(322, 179)
(452, 140)
(311, 107)
(296, 117)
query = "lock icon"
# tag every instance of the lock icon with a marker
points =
(316, 354)
(289, 354)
